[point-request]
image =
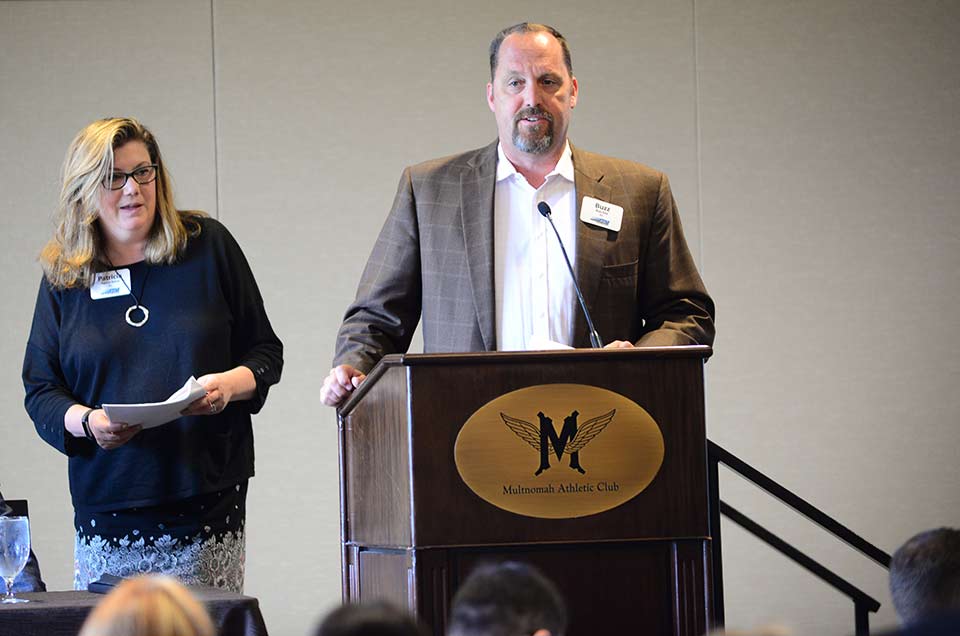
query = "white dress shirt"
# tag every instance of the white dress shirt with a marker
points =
(535, 296)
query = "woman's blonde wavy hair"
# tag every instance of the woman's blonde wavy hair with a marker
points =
(148, 605)
(71, 257)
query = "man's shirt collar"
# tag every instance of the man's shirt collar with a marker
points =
(564, 167)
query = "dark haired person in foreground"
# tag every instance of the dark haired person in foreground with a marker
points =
(925, 575)
(369, 619)
(465, 245)
(507, 599)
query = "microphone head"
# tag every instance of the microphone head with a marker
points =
(544, 208)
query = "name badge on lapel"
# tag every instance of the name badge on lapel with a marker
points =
(602, 214)
(110, 284)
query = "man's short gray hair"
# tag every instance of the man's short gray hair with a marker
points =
(925, 575)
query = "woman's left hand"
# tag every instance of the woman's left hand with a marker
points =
(222, 388)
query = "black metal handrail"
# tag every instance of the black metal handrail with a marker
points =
(863, 602)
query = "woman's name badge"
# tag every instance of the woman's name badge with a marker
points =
(116, 282)
(601, 214)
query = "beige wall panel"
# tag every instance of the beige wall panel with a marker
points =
(320, 106)
(62, 65)
(828, 137)
(830, 148)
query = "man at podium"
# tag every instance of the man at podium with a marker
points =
(476, 243)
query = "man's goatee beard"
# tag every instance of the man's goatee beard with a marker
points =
(534, 146)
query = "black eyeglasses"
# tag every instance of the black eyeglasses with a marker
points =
(142, 175)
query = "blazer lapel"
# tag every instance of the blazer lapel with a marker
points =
(592, 241)
(476, 214)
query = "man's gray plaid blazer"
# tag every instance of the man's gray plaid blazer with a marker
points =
(434, 257)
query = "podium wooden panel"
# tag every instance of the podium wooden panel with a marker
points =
(411, 529)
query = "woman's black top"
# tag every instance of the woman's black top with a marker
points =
(206, 316)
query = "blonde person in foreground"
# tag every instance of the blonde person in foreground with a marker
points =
(148, 606)
(136, 297)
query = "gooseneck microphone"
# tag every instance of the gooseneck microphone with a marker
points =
(595, 341)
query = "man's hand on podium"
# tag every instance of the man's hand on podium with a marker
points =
(339, 384)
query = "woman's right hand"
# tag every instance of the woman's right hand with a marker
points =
(110, 435)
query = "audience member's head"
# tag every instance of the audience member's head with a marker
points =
(507, 599)
(925, 575)
(369, 619)
(148, 606)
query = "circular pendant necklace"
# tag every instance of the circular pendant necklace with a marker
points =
(138, 306)
(142, 321)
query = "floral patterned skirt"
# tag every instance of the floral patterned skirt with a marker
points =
(199, 540)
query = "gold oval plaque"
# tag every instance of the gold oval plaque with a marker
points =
(559, 451)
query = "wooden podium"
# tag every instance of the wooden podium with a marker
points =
(412, 529)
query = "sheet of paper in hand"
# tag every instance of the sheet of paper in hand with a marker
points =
(156, 413)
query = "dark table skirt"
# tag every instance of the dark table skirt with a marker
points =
(63, 613)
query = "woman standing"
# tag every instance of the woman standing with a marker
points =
(136, 297)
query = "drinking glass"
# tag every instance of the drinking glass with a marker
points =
(14, 552)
